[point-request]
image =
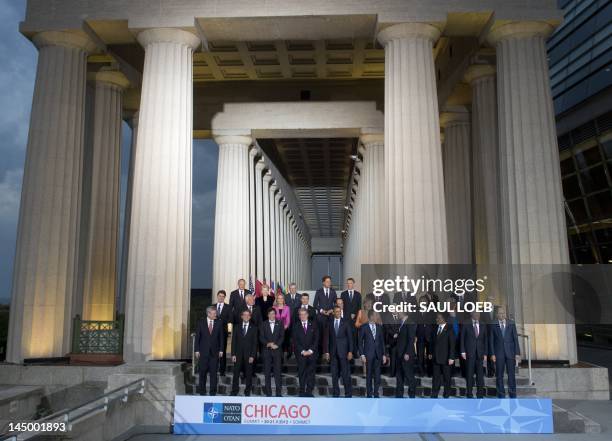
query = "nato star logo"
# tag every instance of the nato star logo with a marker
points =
(213, 412)
(514, 416)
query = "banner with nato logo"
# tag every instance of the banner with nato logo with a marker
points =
(273, 416)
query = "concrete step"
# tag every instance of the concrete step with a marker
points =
(570, 421)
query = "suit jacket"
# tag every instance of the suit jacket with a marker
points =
(209, 344)
(341, 343)
(293, 303)
(236, 302)
(266, 336)
(398, 298)
(443, 345)
(311, 314)
(369, 346)
(305, 341)
(244, 345)
(351, 307)
(321, 301)
(226, 315)
(469, 344)
(405, 340)
(506, 344)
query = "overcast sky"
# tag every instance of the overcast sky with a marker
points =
(17, 74)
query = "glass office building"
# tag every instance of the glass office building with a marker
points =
(580, 60)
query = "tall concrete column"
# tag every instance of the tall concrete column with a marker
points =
(158, 282)
(273, 233)
(373, 179)
(414, 186)
(252, 219)
(127, 220)
(267, 181)
(100, 275)
(457, 184)
(259, 222)
(231, 248)
(277, 242)
(44, 274)
(532, 214)
(485, 170)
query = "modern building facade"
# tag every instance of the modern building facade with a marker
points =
(328, 116)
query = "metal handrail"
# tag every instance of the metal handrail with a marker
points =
(193, 357)
(78, 413)
(528, 350)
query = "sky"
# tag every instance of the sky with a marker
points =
(17, 74)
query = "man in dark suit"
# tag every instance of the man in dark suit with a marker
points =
(372, 347)
(340, 352)
(504, 351)
(406, 358)
(312, 313)
(293, 299)
(208, 344)
(306, 338)
(238, 300)
(351, 298)
(254, 310)
(271, 335)
(224, 313)
(442, 356)
(324, 301)
(474, 347)
(244, 350)
(426, 322)
(391, 327)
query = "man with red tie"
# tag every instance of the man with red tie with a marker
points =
(306, 338)
(209, 343)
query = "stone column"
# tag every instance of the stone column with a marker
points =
(373, 178)
(414, 186)
(532, 215)
(267, 182)
(278, 236)
(158, 282)
(44, 274)
(251, 217)
(127, 220)
(231, 248)
(99, 291)
(273, 233)
(259, 219)
(457, 184)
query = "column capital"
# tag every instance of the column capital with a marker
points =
(112, 77)
(478, 71)
(409, 30)
(372, 138)
(453, 116)
(273, 185)
(253, 152)
(268, 177)
(260, 165)
(64, 38)
(168, 35)
(234, 139)
(519, 29)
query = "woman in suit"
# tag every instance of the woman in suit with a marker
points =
(283, 315)
(265, 301)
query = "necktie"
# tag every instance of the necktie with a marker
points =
(304, 325)
(251, 309)
(336, 325)
(503, 327)
(476, 329)
(373, 329)
(219, 309)
(210, 326)
(439, 329)
(244, 329)
(351, 295)
(242, 294)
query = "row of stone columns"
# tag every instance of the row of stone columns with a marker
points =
(258, 234)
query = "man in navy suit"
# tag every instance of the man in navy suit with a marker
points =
(209, 348)
(442, 355)
(238, 300)
(244, 350)
(271, 336)
(406, 358)
(351, 299)
(340, 352)
(474, 346)
(305, 338)
(324, 301)
(372, 347)
(293, 299)
(224, 313)
(504, 351)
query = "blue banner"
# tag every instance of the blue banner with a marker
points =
(304, 416)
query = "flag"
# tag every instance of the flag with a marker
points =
(272, 288)
(251, 287)
(280, 289)
(258, 285)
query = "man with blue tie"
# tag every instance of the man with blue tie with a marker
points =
(324, 301)
(372, 346)
(504, 351)
(340, 352)
(474, 348)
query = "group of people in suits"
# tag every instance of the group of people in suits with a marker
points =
(341, 329)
